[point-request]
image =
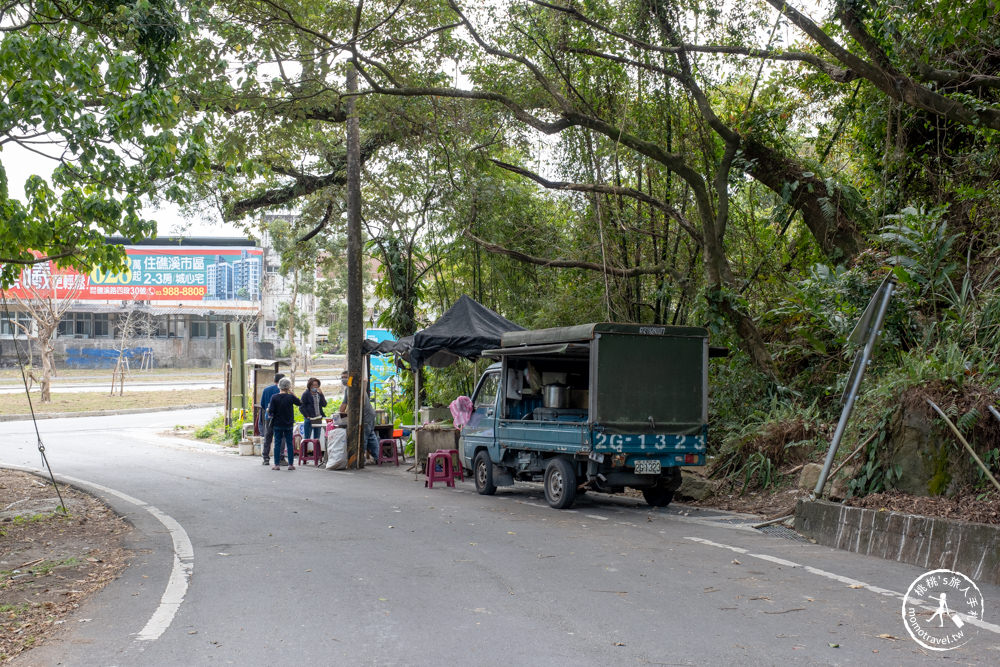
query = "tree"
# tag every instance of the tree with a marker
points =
(86, 86)
(298, 266)
(131, 326)
(46, 296)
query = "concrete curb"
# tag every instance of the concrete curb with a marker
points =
(104, 413)
(929, 542)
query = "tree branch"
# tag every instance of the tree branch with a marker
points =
(38, 260)
(894, 84)
(575, 264)
(322, 223)
(306, 184)
(606, 189)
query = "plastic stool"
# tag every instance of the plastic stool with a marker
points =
(397, 435)
(456, 462)
(315, 455)
(435, 459)
(387, 451)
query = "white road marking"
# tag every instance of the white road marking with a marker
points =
(835, 577)
(180, 573)
(522, 502)
(596, 516)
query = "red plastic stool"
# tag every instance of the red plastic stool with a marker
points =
(456, 462)
(315, 455)
(397, 435)
(440, 460)
(387, 451)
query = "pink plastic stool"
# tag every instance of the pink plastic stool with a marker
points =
(387, 451)
(434, 461)
(456, 462)
(315, 455)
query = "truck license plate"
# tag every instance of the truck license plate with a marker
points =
(647, 467)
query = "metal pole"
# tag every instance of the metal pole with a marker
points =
(416, 396)
(852, 395)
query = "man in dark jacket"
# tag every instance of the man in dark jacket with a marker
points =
(282, 409)
(265, 417)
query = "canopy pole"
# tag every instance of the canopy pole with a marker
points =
(416, 397)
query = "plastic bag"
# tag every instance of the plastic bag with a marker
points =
(461, 410)
(336, 449)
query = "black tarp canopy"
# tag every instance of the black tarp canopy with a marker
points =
(463, 332)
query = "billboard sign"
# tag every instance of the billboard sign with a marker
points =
(167, 273)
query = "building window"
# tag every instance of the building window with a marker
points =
(199, 327)
(82, 325)
(167, 326)
(8, 326)
(101, 325)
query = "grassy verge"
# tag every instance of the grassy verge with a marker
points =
(17, 404)
(14, 374)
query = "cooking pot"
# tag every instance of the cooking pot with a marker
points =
(556, 396)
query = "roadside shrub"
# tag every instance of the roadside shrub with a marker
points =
(786, 434)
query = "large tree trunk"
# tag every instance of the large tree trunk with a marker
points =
(355, 296)
(825, 213)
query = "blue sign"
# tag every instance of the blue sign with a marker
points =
(383, 371)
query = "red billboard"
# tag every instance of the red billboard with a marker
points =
(164, 273)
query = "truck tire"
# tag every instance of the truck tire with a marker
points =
(658, 496)
(483, 473)
(560, 483)
(662, 493)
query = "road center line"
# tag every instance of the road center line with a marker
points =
(180, 573)
(835, 577)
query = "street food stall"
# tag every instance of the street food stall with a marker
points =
(463, 332)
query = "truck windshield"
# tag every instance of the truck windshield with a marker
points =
(486, 397)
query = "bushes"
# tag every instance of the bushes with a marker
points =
(216, 431)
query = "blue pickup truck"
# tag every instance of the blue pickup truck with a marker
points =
(591, 407)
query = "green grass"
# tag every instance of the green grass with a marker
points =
(17, 404)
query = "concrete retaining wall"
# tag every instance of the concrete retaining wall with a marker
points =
(970, 548)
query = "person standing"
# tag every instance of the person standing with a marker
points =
(282, 409)
(265, 416)
(368, 436)
(313, 402)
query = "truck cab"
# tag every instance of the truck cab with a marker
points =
(599, 407)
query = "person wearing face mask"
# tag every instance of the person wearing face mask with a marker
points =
(313, 402)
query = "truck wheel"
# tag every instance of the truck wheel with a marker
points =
(483, 469)
(658, 496)
(661, 494)
(560, 483)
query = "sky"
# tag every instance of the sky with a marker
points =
(20, 164)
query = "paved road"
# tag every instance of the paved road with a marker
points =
(371, 568)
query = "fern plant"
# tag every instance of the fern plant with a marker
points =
(922, 247)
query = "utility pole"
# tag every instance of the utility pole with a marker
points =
(355, 323)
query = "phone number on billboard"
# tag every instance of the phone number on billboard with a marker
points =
(182, 291)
